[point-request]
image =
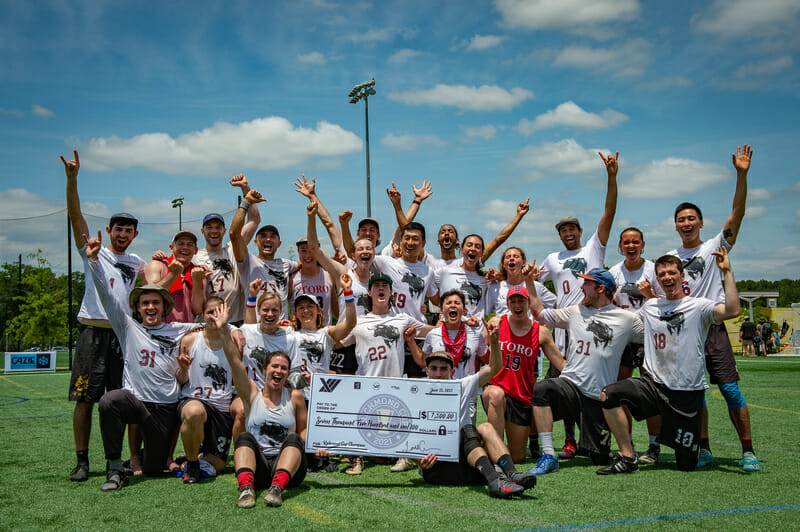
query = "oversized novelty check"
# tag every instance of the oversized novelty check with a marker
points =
(383, 416)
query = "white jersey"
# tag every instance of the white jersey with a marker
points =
(149, 353)
(274, 275)
(496, 297)
(271, 426)
(320, 285)
(313, 353)
(702, 277)
(472, 284)
(597, 338)
(360, 292)
(224, 280)
(627, 295)
(411, 283)
(258, 344)
(120, 271)
(563, 268)
(437, 263)
(474, 347)
(470, 389)
(210, 376)
(380, 346)
(674, 341)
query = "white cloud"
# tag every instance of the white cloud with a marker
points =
(569, 114)
(402, 56)
(764, 68)
(410, 142)
(264, 143)
(563, 157)
(673, 177)
(40, 111)
(483, 98)
(565, 14)
(312, 58)
(486, 132)
(794, 188)
(484, 42)
(758, 194)
(628, 59)
(382, 34)
(755, 211)
(743, 18)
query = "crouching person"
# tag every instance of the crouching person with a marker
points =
(480, 448)
(271, 451)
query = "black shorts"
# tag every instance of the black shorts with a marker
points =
(410, 367)
(97, 366)
(343, 360)
(681, 413)
(633, 356)
(267, 465)
(518, 412)
(217, 429)
(720, 363)
(567, 402)
(454, 473)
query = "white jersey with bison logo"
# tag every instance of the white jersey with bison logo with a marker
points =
(210, 378)
(275, 276)
(411, 283)
(224, 279)
(702, 278)
(627, 295)
(473, 285)
(380, 347)
(259, 344)
(563, 268)
(271, 426)
(120, 272)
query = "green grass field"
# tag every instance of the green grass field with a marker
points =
(37, 454)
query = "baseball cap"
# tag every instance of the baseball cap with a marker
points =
(311, 297)
(440, 355)
(188, 234)
(303, 240)
(372, 221)
(268, 229)
(213, 216)
(518, 290)
(137, 292)
(379, 277)
(567, 220)
(762, 318)
(123, 218)
(601, 276)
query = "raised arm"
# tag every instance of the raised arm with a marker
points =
(76, 219)
(309, 190)
(550, 349)
(741, 161)
(333, 268)
(347, 237)
(495, 360)
(502, 236)
(729, 309)
(199, 275)
(238, 241)
(607, 220)
(115, 311)
(343, 327)
(246, 389)
(250, 306)
(156, 273)
(253, 216)
(184, 360)
(531, 273)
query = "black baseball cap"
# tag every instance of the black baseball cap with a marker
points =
(123, 218)
(372, 221)
(311, 297)
(187, 234)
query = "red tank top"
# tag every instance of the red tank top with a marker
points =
(516, 377)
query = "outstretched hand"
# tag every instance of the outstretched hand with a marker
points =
(612, 163)
(305, 188)
(741, 159)
(219, 316)
(424, 192)
(93, 245)
(71, 167)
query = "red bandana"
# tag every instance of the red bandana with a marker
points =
(456, 346)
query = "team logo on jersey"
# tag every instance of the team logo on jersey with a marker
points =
(280, 279)
(313, 349)
(362, 301)
(415, 283)
(259, 354)
(602, 333)
(694, 267)
(389, 334)
(328, 385)
(383, 421)
(466, 357)
(217, 374)
(165, 343)
(128, 273)
(674, 320)
(274, 432)
(471, 291)
(576, 265)
(224, 267)
(632, 291)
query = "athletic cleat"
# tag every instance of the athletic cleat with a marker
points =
(115, 480)
(403, 464)
(704, 458)
(273, 496)
(651, 455)
(504, 489)
(750, 462)
(356, 465)
(247, 498)
(570, 449)
(622, 464)
(546, 464)
(526, 480)
(80, 473)
(191, 472)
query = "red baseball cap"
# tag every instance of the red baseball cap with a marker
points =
(518, 290)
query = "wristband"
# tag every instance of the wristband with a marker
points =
(417, 202)
(349, 299)
(250, 306)
(244, 205)
(347, 293)
(251, 300)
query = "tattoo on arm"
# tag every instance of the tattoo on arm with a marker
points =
(727, 233)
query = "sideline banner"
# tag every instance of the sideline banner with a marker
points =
(381, 416)
(30, 361)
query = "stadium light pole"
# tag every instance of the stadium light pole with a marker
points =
(177, 203)
(359, 92)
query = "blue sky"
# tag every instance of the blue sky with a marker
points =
(491, 101)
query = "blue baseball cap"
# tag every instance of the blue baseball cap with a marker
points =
(213, 216)
(601, 276)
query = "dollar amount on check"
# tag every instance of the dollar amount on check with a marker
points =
(378, 416)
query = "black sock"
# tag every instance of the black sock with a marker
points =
(83, 456)
(485, 468)
(507, 464)
(704, 444)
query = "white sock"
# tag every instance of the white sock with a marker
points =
(546, 441)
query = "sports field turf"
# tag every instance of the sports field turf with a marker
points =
(37, 454)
